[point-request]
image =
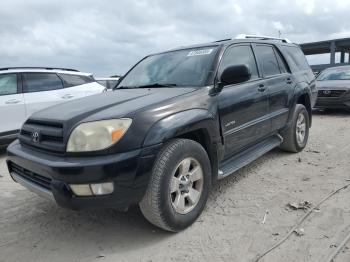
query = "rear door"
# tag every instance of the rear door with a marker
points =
(42, 90)
(243, 107)
(12, 108)
(76, 86)
(279, 81)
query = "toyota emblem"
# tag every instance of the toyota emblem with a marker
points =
(35, 137)
(327, 92)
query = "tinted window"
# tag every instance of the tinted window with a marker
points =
(281, 62)
(8, 84)
(238, 55)
(36, 82)
(296, 58)
(268, 60)
(75, 80)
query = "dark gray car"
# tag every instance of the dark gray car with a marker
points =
(334, 88)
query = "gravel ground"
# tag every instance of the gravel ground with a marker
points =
(230, 228)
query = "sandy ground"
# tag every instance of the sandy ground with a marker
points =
(230, 229)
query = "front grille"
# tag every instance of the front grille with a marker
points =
(47, 136)
(31, 176)
(330, 93)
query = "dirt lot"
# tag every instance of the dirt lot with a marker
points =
(230, 229)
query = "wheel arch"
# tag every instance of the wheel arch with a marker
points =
(305, 99)
(302, 95)
(196, 124)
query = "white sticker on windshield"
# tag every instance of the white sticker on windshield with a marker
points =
(200, 52)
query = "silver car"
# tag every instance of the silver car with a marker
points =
(334, 88)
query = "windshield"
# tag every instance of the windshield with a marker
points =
(189, 67)
(335, 74)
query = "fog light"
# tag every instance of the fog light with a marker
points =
(103, 188)
(81, 190)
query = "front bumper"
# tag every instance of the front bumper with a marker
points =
(341, 102)
(50, 175)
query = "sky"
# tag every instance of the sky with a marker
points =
(107, 37)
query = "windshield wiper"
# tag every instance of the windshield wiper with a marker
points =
(153, 85)
(124, 87)
(156, 85)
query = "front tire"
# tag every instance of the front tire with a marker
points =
(296, 136)
(178, 187)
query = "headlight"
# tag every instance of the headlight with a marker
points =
(93, 136)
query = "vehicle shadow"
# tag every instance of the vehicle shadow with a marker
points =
(93, 230)
(226, 183)
(331, 112)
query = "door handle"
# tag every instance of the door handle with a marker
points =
(289, 81)
(261, 88)
(13, 101)
(67, 96)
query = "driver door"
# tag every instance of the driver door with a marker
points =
(243, 107)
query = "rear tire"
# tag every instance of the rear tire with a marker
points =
(179, 185)
(296, 136)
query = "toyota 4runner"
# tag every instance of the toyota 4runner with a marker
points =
(177, 122)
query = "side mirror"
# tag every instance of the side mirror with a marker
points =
(235, 74)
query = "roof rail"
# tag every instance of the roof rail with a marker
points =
(262, 37)
(222, 40)
(38, 67)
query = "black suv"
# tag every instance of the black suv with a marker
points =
(177, 122)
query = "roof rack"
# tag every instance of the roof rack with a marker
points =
(38, 67)
(262, 37)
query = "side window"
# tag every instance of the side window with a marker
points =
(238, 55)
(281, 62)
(8, 84)
(102, 82)
(36, 82)
(268, 60)
(111, 84)
(75, 80)
(296, 58)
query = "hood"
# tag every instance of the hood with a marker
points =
(119, 103)
(333, 84)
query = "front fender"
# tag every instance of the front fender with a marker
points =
(181, 123)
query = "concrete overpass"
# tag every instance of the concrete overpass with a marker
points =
(328, 47)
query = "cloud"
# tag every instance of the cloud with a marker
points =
(108, 37)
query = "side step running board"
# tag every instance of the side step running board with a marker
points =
(244, 158)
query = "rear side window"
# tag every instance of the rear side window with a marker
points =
(296, 58)
(268, 60)
(8, 84)
(75, 80)
(281, 62)
(36, 82)
(238, 55)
